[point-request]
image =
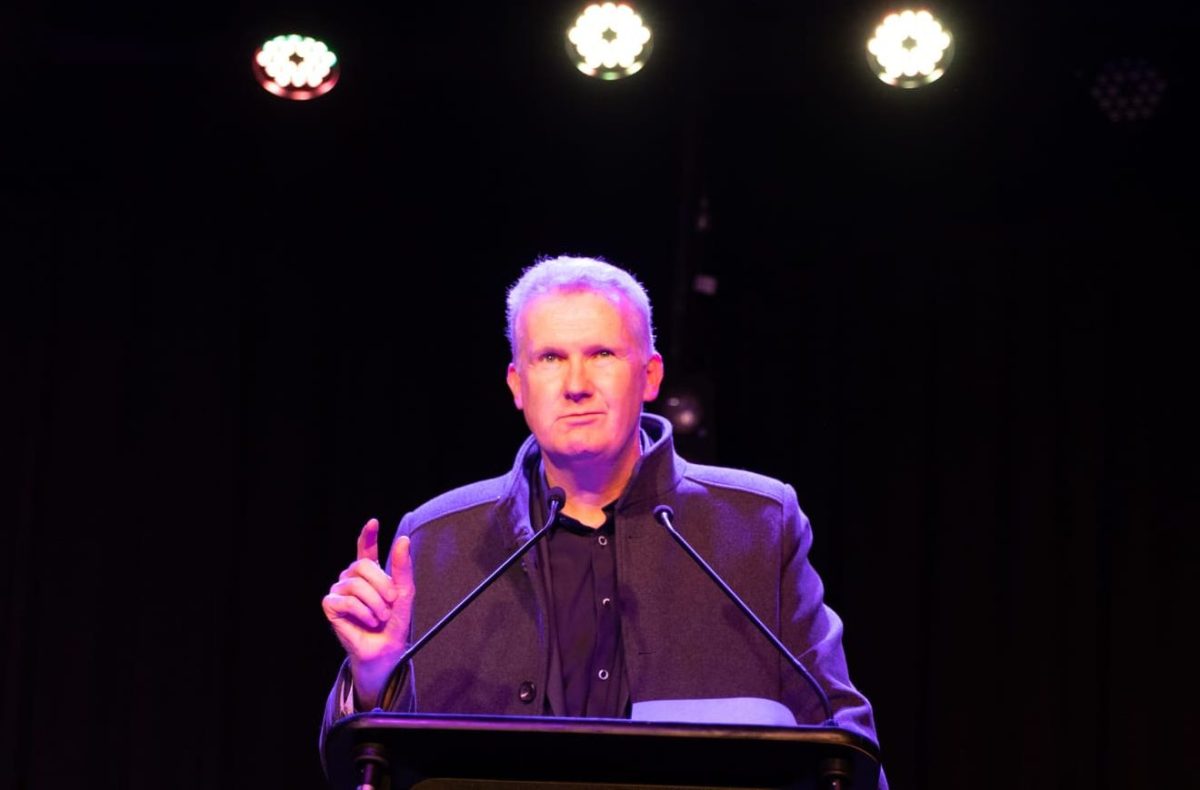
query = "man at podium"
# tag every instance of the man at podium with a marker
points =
(606, 616)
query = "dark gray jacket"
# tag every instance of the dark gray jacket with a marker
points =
(682, 637)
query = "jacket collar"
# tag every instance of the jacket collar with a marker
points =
(657, 472)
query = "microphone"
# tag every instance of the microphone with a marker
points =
(555, 499)
(664, 515)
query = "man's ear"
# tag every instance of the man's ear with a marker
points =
(514, 385)
(654, 377)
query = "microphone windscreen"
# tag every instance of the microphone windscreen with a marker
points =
(556, 497)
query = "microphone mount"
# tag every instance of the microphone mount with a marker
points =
(555, 499)
(664, 515)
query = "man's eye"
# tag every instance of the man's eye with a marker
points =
(548, 357)
(604, 353)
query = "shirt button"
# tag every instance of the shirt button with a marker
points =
(603, 541)
(602, 674)
(606, 601)
(527, 692)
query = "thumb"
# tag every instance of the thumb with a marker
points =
(400, 566)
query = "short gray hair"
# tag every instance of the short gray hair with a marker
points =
(567, 273)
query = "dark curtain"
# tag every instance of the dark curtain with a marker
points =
(234, 330)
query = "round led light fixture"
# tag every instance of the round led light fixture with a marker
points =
(609, 41)
(685, 411)
(910, 49)
(296, 67)
(1128, 89)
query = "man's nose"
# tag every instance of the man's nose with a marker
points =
(578, 386)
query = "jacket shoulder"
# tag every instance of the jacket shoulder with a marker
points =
(737, 480)
(472, 496)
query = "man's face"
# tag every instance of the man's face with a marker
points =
(581, 376)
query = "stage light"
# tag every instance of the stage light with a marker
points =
(685, 410)
(910, 49)
(609, 41)
(1128, 89)
(296, 67)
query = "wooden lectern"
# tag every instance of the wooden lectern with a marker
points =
(393, 751)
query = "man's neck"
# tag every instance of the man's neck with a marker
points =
(591, 486)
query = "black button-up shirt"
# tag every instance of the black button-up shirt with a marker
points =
(583, 596)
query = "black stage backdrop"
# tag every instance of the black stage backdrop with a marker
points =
(959, 320)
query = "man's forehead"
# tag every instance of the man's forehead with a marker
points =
(562, 297)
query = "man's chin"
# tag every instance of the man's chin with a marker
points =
(566, 454)
(580, 453)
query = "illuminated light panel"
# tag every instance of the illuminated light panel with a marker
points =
(685, 412)
(1128, 89)
(609, 41)
(296, 67)
(910, 49)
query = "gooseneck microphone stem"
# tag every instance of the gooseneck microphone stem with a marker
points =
(371, 764)
(663, 515)
(555, 500)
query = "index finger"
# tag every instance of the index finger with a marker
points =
(368, 541)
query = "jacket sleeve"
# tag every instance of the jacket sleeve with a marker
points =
(813, 632)
(340, 702)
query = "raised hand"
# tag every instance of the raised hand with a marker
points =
(370, 608)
